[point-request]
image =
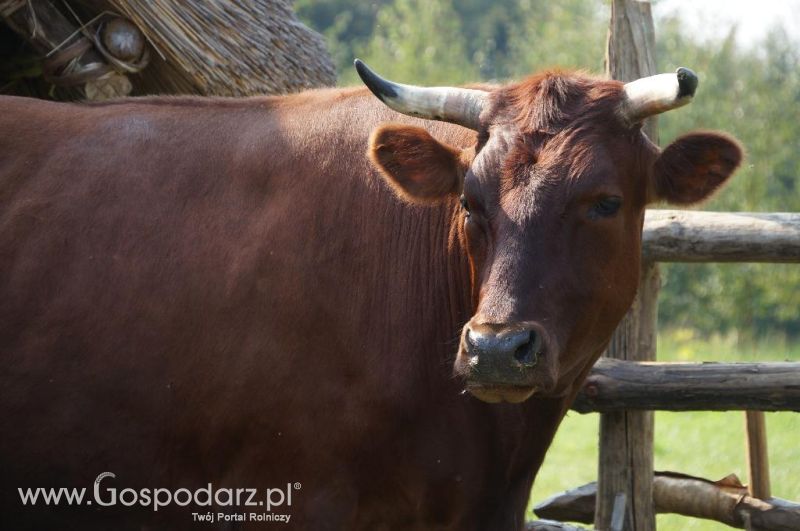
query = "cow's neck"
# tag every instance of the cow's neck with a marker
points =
(405, 281)
(399, 271)
(418, 290)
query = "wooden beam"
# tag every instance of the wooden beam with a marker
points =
(551, 525)
(630, 50)
(615, 385)
(574, 505)
(726, 501)
(757, 456)
(691, 236)
(626, 438)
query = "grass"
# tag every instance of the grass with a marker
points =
(703, 443)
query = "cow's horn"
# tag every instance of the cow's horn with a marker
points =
(456, 105)
(656, 94)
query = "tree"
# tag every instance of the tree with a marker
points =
(420, 41)
(345, 24)
(753, 93)
(564, 34)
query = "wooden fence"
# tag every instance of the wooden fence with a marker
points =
(621, 388)
(627, 385)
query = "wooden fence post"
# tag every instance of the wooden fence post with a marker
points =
(757, 456)
(626, 438)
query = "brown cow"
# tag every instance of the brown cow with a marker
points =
(226, 292)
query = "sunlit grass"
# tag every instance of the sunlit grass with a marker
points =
(707, 444)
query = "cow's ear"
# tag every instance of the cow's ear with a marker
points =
(419, 168)
(694, 166)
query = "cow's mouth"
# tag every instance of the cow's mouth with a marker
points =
(494, 394)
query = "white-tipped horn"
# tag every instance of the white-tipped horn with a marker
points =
(653, 95)
(449, 104)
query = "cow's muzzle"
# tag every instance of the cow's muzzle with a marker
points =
(506, 362)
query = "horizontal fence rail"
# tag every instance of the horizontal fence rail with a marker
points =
(726, 501)
(615, 385)
(692, 236)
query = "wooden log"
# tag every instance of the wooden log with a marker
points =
(626, 437)
(575, 505)
(620, 513)
(691, 236)
(757, 455)
(630, 50)
(615, 385)
(551, 525)
(726, 501)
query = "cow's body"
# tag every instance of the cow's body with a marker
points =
(227, 292)
(223, 291)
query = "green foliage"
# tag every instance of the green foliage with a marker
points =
(753, 93)
(565, 34)
(462, 41)
(420, 39)
(345, 24)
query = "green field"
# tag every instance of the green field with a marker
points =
(707, 444)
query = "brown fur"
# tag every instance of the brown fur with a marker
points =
(695, 166)
(227, 291)
(416, 166)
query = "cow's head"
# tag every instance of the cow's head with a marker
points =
(553, 197)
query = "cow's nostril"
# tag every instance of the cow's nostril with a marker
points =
(524, 353)
(528, 351)
(508, 347)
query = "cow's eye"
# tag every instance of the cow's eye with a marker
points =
(607, 206)
(464, 204)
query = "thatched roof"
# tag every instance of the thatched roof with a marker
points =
(231, 48)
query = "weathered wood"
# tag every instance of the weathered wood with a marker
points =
(615, 385)
(726, 501)
(619, 514)
(757, 456)
(630, 53)
(575, 505)
(691, 236)
(626, 438)
(551, 525)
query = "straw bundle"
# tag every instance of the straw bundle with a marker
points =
(226, 47)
